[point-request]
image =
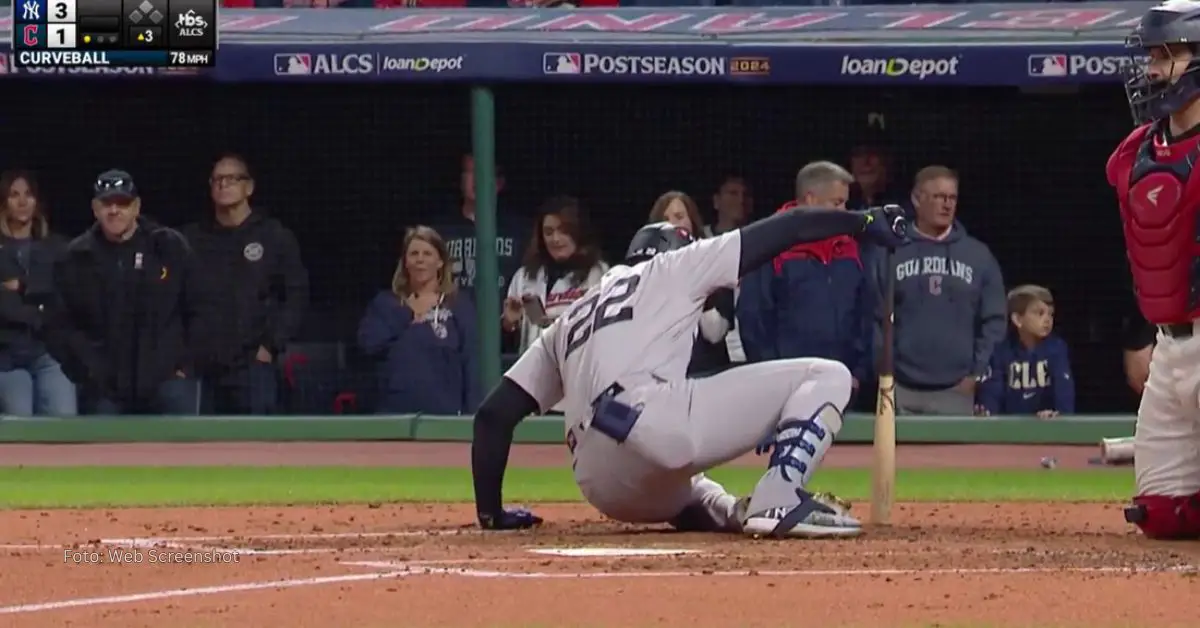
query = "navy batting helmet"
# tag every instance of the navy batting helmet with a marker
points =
(1154, 94)
(655, 238)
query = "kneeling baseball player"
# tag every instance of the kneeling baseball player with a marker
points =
(641, 434)
(1154, 174)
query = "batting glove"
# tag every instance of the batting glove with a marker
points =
(509, 519)
(886, 226)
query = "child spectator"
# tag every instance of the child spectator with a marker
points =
(1030, 371)
(423, 331)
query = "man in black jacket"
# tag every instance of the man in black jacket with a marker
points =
(253, 294)
(123, 308)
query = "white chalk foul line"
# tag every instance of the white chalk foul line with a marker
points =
(191, 592)
(814, 573)
(300, 536)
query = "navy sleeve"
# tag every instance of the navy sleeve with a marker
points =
(990, 392)
(754, 308)
(864, 341)
(464, 317)
(384, 321)
(993, 315)
(1060, 376)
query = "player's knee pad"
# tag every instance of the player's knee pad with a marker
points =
(1162, 517)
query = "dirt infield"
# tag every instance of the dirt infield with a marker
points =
(424, 565)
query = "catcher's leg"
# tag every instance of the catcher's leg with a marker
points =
(1167, 444)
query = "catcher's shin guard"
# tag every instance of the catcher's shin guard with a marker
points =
(1161, 517)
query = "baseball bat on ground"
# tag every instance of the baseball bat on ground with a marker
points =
(883, 476)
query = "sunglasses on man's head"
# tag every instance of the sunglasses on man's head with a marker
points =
(109, 184)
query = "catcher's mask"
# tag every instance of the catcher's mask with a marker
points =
(1153, 97)
(655, 238)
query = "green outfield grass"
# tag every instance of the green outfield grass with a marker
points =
(65, 487)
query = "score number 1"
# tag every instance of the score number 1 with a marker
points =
(60, 23)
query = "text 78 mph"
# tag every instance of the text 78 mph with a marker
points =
(191, 57)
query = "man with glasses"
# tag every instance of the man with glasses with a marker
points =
(950, 304)
(121, 317)
(253, 294)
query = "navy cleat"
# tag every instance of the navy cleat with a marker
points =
(817, 516)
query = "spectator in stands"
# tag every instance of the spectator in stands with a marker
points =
(871, 166)
(32, 382)
(121, 318)
(1030, 370)
(252, 295)
(732, 205)
(1138, 338)
(815, 300)
(423, 332)
(680, 210)
(562, 260)
(459, 232)
(950, 306)
(711, 352)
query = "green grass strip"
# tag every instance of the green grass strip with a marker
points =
(70, 487)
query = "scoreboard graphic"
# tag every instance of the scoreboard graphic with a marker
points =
(114, 33)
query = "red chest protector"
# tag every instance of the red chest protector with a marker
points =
(1160, 207)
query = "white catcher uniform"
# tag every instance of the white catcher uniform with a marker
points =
(641, 434)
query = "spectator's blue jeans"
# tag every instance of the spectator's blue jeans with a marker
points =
(177, 396)
(39, 388)
(253, 389)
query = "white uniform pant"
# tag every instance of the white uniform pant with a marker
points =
(691, 426)
(1167, 440)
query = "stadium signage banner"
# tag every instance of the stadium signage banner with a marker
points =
(979, 44)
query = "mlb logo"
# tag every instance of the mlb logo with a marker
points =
(562, 63)
(1047, 65)
(293, 65)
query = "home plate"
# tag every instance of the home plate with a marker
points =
(592, 552)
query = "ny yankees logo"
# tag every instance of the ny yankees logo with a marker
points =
(31, 11)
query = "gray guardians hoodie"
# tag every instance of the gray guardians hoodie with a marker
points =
(950, 308)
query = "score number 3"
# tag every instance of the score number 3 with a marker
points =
(61, 24)
(592, 315)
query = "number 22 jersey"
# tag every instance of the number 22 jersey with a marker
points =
(636, 327)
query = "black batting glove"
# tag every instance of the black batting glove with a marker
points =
(886, 226)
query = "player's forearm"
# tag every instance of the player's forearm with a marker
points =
(489, 460)
(764, 239)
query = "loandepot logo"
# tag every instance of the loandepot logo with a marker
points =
(918, 67)
(422, 64)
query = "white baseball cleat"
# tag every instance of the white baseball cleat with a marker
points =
(817, 516)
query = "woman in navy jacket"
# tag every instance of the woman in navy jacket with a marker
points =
(31, 381)
(423, 332)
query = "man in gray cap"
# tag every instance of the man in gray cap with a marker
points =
(119, 324)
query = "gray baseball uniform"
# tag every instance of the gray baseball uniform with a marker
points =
(629, 339)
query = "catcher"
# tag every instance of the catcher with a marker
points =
(1153, 173)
